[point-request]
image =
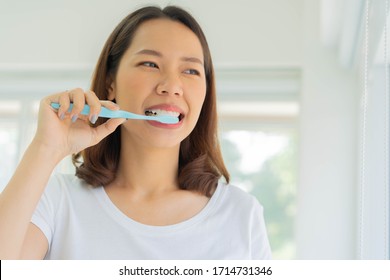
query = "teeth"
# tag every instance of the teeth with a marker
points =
(158, 112)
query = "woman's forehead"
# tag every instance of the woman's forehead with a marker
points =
(164, 36)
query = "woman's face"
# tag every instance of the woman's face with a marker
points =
(162, 72)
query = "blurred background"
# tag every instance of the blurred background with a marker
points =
(303, 98)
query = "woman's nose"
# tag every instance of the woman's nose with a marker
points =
(170, 85)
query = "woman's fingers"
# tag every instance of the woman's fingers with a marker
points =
(78, 97)
(109, 105)
(64, 105)
(94, 105)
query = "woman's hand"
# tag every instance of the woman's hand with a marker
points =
(59, 134)
(62, 132)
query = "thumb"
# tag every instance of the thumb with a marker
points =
(105, 129)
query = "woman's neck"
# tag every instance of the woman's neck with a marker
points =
(147, 170)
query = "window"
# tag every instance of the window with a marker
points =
(258, 111)
(17, 125)
(21, 88)
(8, 148)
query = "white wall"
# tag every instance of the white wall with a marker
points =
(67, 32)
(328, 127)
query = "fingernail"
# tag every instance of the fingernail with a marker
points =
(62, 116)
(74, 118)
(94, 119)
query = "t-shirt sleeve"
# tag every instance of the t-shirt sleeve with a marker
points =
(44, 214)
(261, 249)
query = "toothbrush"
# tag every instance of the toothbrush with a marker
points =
(107, 113)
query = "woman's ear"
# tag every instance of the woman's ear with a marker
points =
(111, 89)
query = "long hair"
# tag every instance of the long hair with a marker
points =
(200, 159)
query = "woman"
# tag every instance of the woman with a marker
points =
(143, 189)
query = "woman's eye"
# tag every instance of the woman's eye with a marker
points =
(192, 72)
(149, 64)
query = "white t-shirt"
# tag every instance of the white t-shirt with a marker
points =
(81, 222)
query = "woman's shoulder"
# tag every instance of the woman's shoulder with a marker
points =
(60, 185)
(63, 180)
(238, 198)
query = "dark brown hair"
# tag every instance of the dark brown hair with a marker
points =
(200, 161)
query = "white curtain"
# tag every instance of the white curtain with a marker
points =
(373, 219)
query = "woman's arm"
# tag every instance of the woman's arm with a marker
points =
(21, 196)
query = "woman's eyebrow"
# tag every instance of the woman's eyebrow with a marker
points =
(192, 59)
(159, 54)
(150, 52)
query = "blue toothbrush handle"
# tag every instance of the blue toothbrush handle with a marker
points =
(107, 113)
(104, 112)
